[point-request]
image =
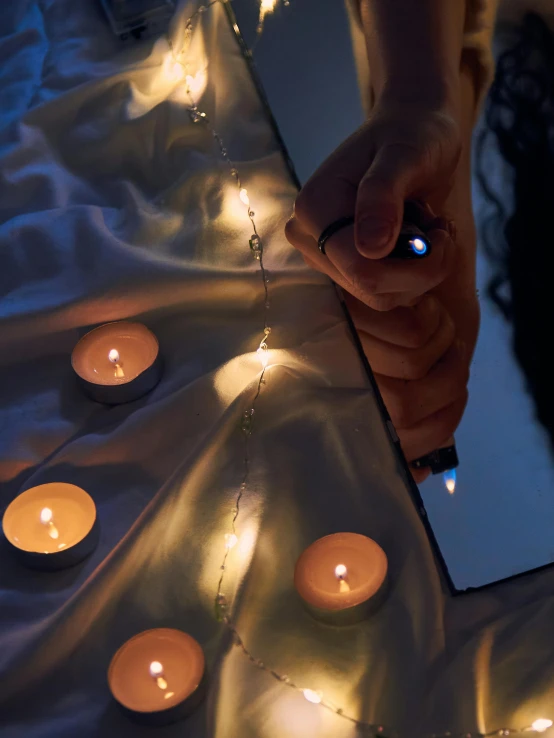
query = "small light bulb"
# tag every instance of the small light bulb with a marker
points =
(541, 724)
(312, 696)
(341, 571)
(156, 669)
(46, 515)
(113, 356)
(230, 540)
(263, 355)
(243, 194)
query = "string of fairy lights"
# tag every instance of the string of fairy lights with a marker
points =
(222, 604)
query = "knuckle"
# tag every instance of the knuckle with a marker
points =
(418, 332)
(303, 206)
(363, 286)
(416, 364)
(383, 303)
(290, 230)
(401, 412)
(453, 416)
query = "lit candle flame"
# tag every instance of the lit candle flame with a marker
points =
(243, 194)
(312, 696)
(341, 573)
(450, 480)
(541, 724)
(114, 357)
(46, 516)
(156, 672)
(156, 669)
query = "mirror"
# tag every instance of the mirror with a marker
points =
(499, 521)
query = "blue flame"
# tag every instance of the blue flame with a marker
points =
(449, 478)
(419, 246)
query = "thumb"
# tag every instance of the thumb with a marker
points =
(380, 199)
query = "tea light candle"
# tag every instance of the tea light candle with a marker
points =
(51, 526)
(341, 577)
(117, 362)
(158, 676)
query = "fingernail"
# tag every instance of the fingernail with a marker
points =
(373, 234)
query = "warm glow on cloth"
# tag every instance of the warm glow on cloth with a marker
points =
(166, 472)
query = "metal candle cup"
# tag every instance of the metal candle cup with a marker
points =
(158, 676)
(341, 578)
(51, 526)
(117, 362)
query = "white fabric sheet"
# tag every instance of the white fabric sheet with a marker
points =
(115, 205)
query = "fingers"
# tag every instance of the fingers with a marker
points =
(434, 431)
(410, 327)
(409, 403)
(380, 199)
(382, 285)
(408, 363)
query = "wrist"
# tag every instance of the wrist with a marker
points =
(432, 93)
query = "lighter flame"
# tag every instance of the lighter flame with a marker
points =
(312, 696)
(450, 480)
(541, 724)
(243, 194)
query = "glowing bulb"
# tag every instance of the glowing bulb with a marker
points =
(263, 355)
(46, 515)
(450, 480)
(266, 7)
(230, 540)
(113, 356)
(156, 669)
(541, 725)
(243, 194)
(340, 571)
(312, 696)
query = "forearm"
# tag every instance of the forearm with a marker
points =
(414, 48)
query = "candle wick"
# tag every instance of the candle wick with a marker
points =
(162, 684)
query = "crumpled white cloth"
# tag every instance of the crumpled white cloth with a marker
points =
(114, 205)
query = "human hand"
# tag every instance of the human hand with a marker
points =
(421, 349)
(421, 369)
(402, 153)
